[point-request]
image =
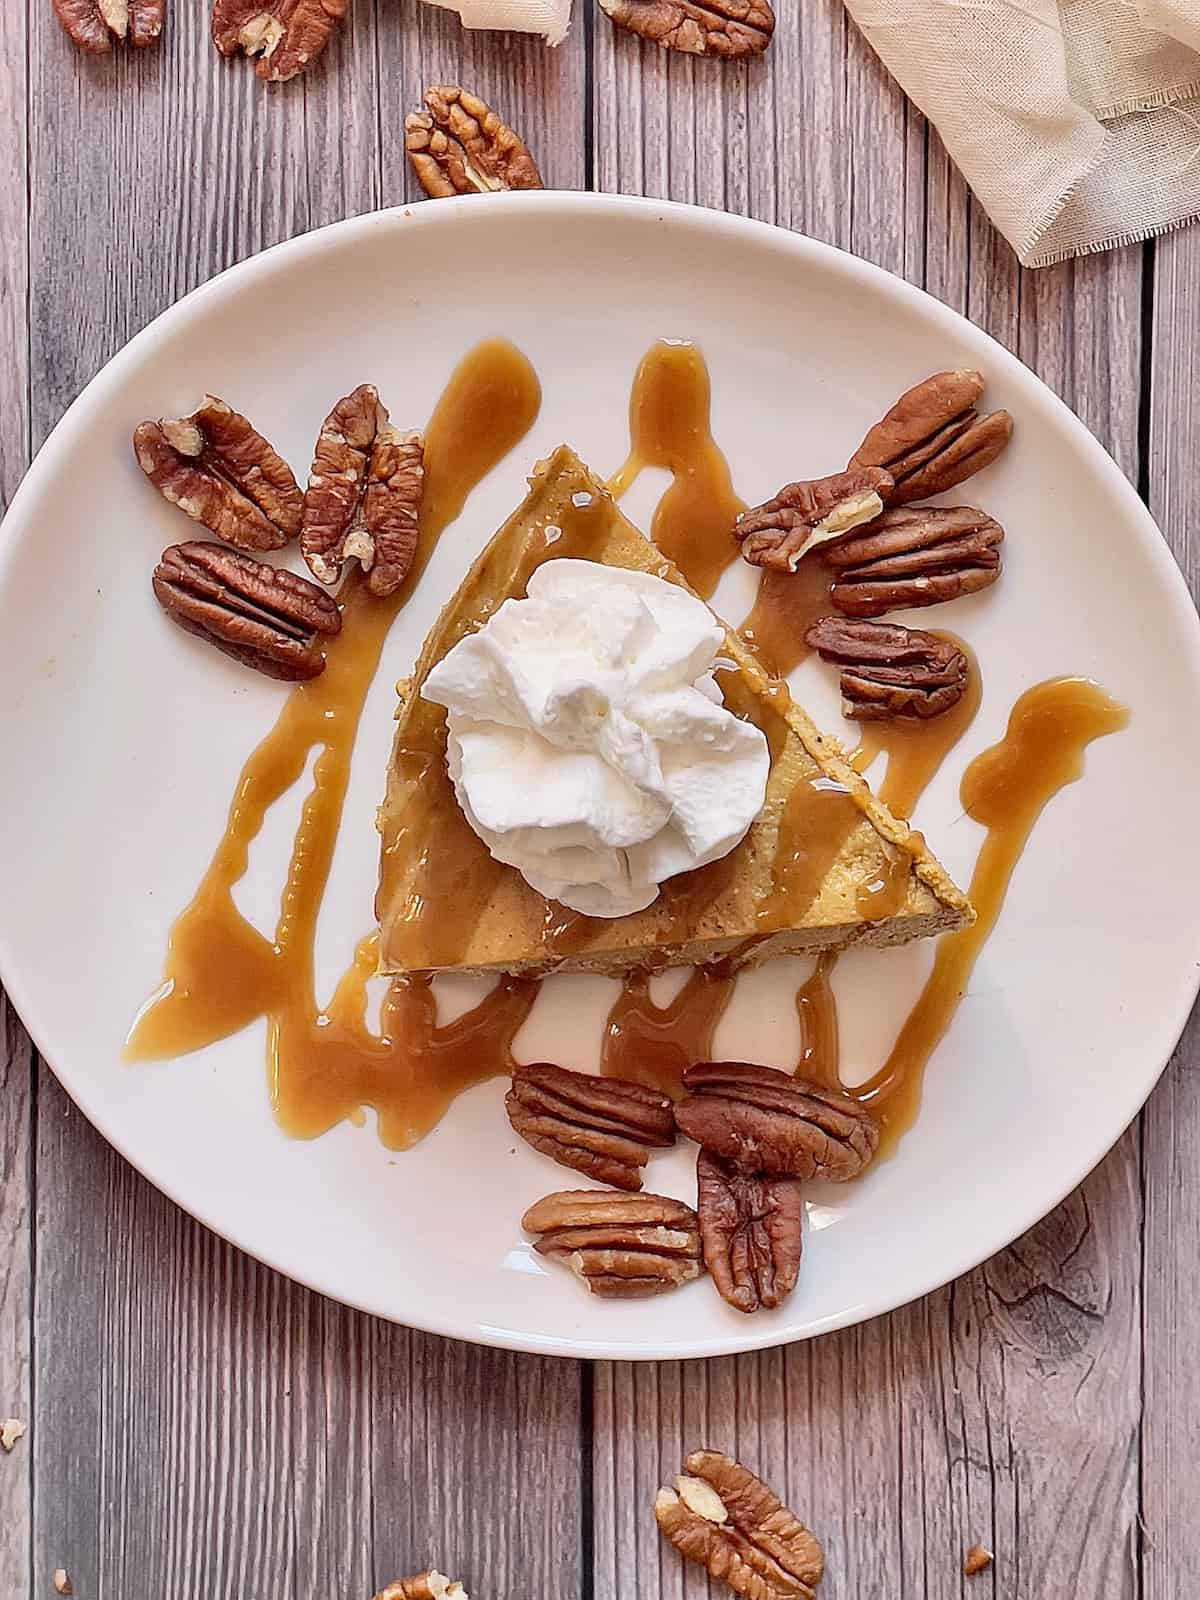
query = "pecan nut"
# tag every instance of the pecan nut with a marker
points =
(286, 35)
(751, 1229)
(722, 1517)
(728, 28)
(915, 556)
(458, 145)
(364, 494)
(220, 470)
(803, 516)
(623, 1246)
(94, 24)
(933, 437)
(890, 671)
(265, 617)
(603, 1127)
(425, 1586)
(764, 1120)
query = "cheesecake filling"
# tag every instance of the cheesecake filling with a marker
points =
(588, 741)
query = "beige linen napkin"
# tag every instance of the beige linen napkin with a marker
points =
(550, 18)
(1076, 122)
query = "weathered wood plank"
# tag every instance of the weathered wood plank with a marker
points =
(207, 1429)
(16, 1295)
(1171, 1284)
(16, 1056)
(910, 1438)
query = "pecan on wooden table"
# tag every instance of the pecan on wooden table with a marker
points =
(623, 1246)
(458, 145)
(751, 1228)
(265, 617)
(807, 515)
(363, 499)
(934, 437)
(216, 467)
(890, 671)
(722, 1517)
(94, 25)
(764, 1120)
(287, 36)
(425, 1586)
(603, 1127)
(915, 556)
(726, 28)
(977, 1560)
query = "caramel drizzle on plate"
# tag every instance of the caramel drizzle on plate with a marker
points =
(916, 750)
(785, 607)
(816, 1006)
(654, 1044)
(669, 427)
(221, 973)
(1006, 788)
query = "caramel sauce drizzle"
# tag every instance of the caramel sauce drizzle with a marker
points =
(655, 1045)
(916, 750)
(669, 427)
(1006, 788)
(817, 1008)
(221, 973)
(785, 607)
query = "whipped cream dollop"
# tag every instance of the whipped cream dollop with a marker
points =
(588, 742)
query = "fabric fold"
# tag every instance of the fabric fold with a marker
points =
(550, 18)
(1075, 122)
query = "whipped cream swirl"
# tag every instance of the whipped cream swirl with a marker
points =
(588, 742)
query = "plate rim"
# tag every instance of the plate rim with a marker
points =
(705, 220)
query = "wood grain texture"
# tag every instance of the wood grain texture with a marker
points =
(16, 1296)
(16, 1056)
(951, 1422)
(204, 1429)
(268, 1441)
(1171, 1426)
(208, 1430)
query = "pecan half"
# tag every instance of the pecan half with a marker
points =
(890, 671)
(802, 516)
(364, 494)
(727, 28)
(764, 1120)
(933, 437)
(94, 24)
(726, 1520)
(425, 1586)
(623, 1246)
(751, 1229)
(265, 617)
(458, 145)
(915, 556)
(286, 35)
(604, 1127)
(220, 470)
(977, 1560)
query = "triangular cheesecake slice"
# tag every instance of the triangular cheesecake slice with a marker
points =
(824, 866)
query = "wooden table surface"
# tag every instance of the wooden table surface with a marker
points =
(201, 1428)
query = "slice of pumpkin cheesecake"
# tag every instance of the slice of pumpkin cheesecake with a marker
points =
(823, 865)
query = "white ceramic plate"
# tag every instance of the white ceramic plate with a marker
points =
(122, 739)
